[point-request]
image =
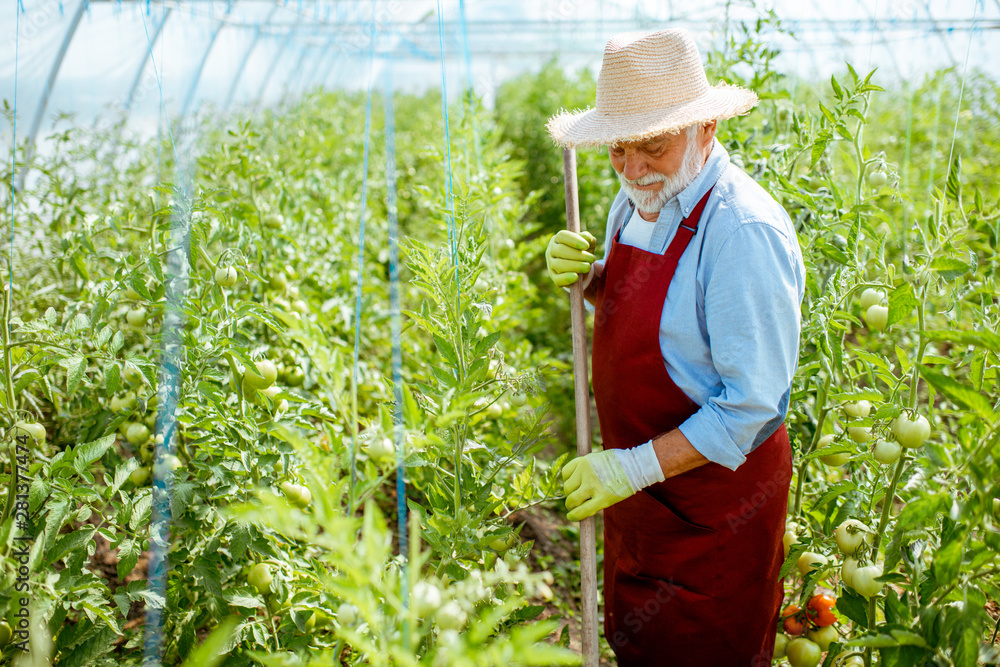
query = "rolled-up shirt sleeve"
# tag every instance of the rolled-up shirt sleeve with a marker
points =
(752, 293)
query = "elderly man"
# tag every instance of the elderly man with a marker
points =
(696, 330)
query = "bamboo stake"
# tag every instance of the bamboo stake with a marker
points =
(588, 532)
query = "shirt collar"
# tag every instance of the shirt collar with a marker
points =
(687, 198)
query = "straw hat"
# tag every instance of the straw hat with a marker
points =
(650, 84)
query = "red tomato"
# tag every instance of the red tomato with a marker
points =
(820, 610)
(793, 622)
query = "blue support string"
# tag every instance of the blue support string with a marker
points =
(449, 202)
(168, 390)
(361, 268)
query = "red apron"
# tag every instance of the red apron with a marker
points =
(691, 564)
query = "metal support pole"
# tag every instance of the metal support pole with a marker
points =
(588, 529)
(36, 123)
(246, 57)
(145, 59)
(189, 98)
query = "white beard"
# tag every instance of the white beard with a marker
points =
(651, 201)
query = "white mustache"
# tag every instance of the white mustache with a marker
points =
(648, 179)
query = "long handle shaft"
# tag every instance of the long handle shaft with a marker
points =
(588, 531)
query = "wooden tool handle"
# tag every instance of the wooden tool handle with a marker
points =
(588, 531)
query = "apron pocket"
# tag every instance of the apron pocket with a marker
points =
(664, 546)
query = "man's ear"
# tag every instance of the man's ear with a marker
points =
(709, 134)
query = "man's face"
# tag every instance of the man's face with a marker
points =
(653, 171)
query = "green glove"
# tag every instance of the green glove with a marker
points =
(569, 255)
(593, 482)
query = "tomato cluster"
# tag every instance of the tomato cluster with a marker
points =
(815, 622)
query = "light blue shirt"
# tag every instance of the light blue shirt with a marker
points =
(729, 330)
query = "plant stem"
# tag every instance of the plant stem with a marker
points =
(823, 411)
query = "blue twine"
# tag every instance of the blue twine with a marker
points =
(361, 258)
(452, 236)
(395, 321)
(166, 423)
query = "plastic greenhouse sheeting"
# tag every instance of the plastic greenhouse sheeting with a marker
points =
(216, 55)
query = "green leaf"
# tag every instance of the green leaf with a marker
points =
(964, 395)
(837, 90)
(112, 377)
(948, 562)
(215, 647)
(74, 366)
(965, 646)
(950, 268)
(901, 303)
(983, 339)
(853, 606)
(954, 188)
(446, 349)
(69, 542)
(91, 451)
(919, 512)
(128, 557)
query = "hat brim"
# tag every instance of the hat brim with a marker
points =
(573, 129)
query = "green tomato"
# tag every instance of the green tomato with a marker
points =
(33, 430)
(294, 376)
(810, 561)
(267, 369)
(858, 410)
(864, 580)
(451, 616)
(802, 652)
(517, 400)
(911, 433)
(877, 179)
(131, 293)
(849, 536)
(124, 402)
(780, 644)
(823, 637)
(847, 571)
(278, 282)
(132, 375)
(226, 276)
(502, 544)
(137, 434)
(296, 494)
(877, 317)
(274, 220)
(347, 615)
(300, 307)
(136, 317)
(494, 411)
(788, 540)
(860, 434)
(886, 452)
(835, 460)
(140, 476)
(425, 599)
(996, 507)
(871, 297)
(5, 634)
(382, 450)
(260, 578)
(832, 459)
